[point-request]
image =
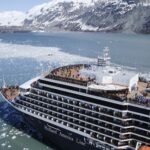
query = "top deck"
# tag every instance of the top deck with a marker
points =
(118, 86)
(70, 74)
(95, 77)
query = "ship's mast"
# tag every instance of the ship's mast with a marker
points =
(105, 59)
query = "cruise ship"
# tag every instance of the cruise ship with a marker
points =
(97, 106)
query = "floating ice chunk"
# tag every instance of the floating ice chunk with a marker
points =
(3, 135)
(46, 54)
(3, 144)
(18, 132)
(9, 146)
(25, 148)
(28, 136)
(14, 137)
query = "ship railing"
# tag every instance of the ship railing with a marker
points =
(77, 66)
(71, 80)
(116, 95)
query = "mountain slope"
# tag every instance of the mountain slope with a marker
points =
(12, 18)
(84, 15)
(90, 15)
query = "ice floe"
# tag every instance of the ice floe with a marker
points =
(46, 54)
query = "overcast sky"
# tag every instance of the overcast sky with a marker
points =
(21, 5)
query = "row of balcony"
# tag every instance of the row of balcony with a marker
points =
(78, 110)
(82, 104)
(62, 120)
(52, 108)
(94, 107)
(75, 118)
(93, 115)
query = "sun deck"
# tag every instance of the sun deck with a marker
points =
(10, 93)
(70, 74)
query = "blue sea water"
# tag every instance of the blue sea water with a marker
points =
(132, 50)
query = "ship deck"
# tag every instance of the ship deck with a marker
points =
(139, 96)
(10, 93)
(72, 74)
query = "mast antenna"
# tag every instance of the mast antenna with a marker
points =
(105, 59)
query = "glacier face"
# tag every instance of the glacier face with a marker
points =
(89, 15)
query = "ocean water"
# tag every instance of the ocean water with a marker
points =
(26, 55)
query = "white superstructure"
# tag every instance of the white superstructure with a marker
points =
(107, 77)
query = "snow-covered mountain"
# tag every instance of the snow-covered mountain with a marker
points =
(12, 18)
(89, 15)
